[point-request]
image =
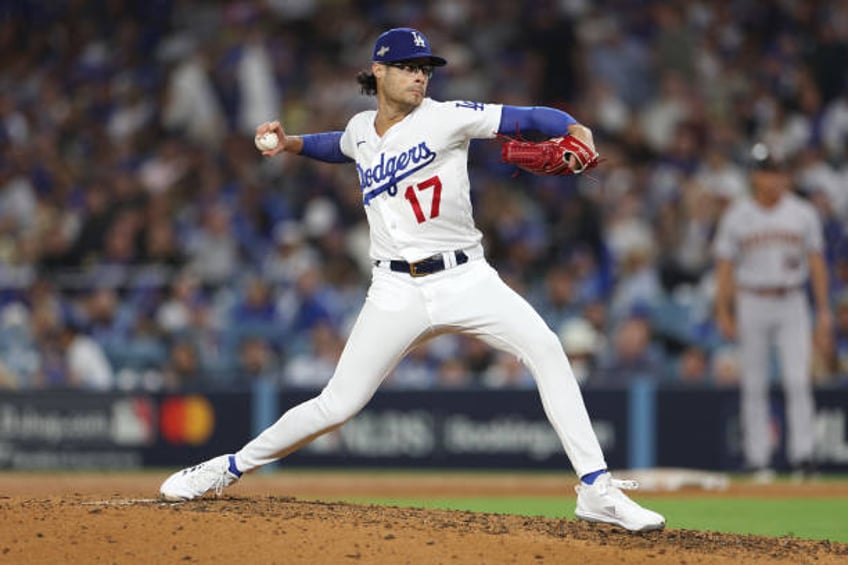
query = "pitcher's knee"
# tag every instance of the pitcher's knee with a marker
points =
(338, 409)
(546, 344)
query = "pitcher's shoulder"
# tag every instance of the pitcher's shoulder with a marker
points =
(362, 119)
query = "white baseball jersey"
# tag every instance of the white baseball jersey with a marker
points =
(414, 179)
(769, 246)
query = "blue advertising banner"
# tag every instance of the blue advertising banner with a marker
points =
(641, 426)
(196, 427)
(700, 429)
(460, 429)
(76, 430)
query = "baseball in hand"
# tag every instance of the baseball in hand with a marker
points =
(266, 141)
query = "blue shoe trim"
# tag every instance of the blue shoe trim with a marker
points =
(589, 478)
(232, 468)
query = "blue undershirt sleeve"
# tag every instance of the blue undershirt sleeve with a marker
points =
(324, 147)
(547, 121)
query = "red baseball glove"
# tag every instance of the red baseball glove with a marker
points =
(551, 156)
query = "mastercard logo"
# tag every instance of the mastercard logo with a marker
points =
(186, 420)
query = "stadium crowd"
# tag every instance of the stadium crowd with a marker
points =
(146, 245)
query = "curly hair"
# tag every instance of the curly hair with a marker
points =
(367, 82)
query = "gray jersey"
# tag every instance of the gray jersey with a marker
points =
(769, 246)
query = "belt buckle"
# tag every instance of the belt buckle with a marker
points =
(413, 270)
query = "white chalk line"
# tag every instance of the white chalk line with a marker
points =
(122, 502)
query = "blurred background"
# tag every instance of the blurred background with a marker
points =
(146, 246)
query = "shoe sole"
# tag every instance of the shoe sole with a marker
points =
(598, 519)
(171, 497)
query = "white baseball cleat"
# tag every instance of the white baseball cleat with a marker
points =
(194, 482)
(604, 502)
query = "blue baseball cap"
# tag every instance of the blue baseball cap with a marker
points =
(403, 44)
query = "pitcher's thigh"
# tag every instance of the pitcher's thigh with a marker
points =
(503, 318)
(391, 320)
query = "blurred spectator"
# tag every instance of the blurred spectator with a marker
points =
(159, 245)
(633, 356)
(620, 59)
(661, 117)
(454, 373)
(174, 313)
(105, 317)
(258, 95)
(291, 255)
(725, 367)
(581, 344)
(693, 367)
(18, 203)
(99, 214)
(507, 371)
(18, 349)
(313, 367)
(87, 365)
(8, 379)
(719, 175)
(254, 310)
(312, 301)
(139, 360)
(835, 126)
(477, 354)
(183, 371)
(558, 297)
(417, 370)
(638, 287)
(191, 104)
(208, 332)
(787, 131)
(212, 251)
(257, 362)
(610, 113)
(689, 233)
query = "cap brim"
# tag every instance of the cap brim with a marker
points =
(432, 59)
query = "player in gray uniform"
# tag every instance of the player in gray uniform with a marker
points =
(766, 249)
(430, 275)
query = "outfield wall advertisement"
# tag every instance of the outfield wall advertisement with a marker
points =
(471, 429)
(460, 429)
(700, 429)
(72, 430)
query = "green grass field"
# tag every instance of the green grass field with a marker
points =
(807, 518)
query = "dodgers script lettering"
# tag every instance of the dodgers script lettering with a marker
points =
(385, 175)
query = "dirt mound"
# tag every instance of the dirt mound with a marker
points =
(277, 529)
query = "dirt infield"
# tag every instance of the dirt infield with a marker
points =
(113, 518)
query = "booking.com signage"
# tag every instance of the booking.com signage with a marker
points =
(52, 430)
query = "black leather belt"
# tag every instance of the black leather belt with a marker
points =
(771, 291)
(424, 267)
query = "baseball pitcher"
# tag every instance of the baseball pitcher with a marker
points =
(430, 275)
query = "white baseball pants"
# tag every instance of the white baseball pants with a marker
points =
(401, 312)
